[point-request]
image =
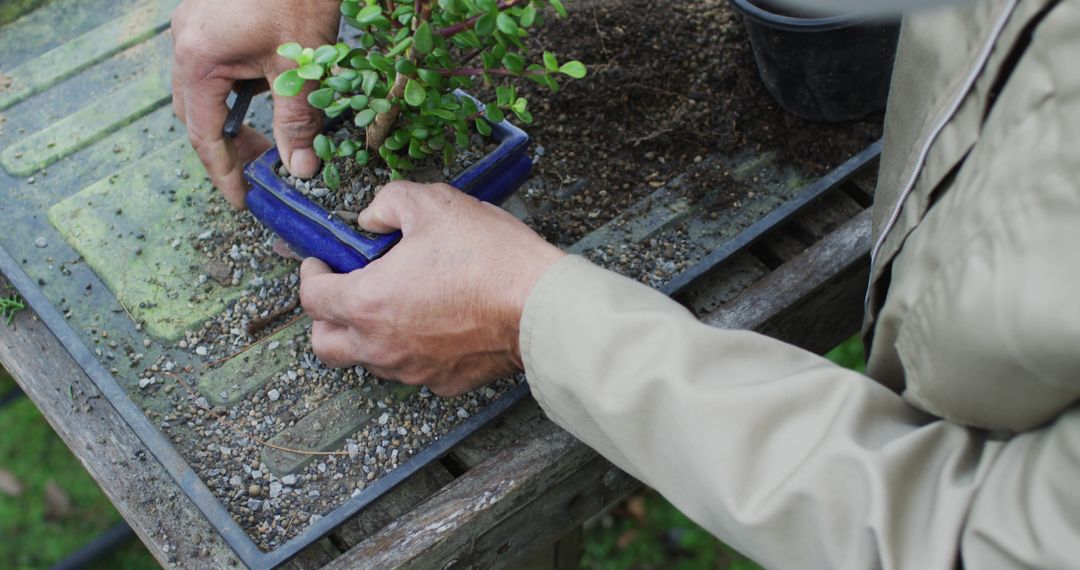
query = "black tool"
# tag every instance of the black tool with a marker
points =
(245, 90)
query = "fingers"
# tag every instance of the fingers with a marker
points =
(335, 345)
(295, 125)
(322, 292)
(250, 144)
(205, 111)
(397, 204)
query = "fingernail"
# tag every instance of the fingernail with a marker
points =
(303, 163)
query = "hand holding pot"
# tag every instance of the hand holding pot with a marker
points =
(218, 43)
(443, 307)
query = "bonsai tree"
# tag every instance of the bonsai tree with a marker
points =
(399, 80)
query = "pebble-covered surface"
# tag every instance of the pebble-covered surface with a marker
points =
(228, 453)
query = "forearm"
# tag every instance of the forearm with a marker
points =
(791, 459)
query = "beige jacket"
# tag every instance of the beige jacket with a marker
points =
(962, 447)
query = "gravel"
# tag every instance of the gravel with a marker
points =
(275, 507)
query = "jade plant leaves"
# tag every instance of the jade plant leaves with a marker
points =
(408, 60)
(288, 84)
(414, 93)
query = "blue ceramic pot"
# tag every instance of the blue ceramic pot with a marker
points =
(311, 231)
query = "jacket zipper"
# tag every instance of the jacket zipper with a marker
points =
(924, 151)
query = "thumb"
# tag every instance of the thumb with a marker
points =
(295, 125)
(391, 208)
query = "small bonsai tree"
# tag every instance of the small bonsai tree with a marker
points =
(399, 81)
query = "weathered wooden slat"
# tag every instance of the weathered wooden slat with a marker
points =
(409, 494)
(815, 300)
(526, 533)
(520, 421)
(445, 527)
(564, 555)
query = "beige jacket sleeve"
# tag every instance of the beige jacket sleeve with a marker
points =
(792, 460)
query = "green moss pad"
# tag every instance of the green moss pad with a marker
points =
(83, 51)
(88, 125)
(251, 370)
(135, 229)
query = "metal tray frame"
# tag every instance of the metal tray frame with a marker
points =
(215, 512)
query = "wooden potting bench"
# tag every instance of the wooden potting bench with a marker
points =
(86, 94)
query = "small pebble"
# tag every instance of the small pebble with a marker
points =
(41, 242)
(254, 490)
(273, 395)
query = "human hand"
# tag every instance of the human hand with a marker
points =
(216, 44)
(443, 307)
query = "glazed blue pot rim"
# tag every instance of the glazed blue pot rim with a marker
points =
(263, 172)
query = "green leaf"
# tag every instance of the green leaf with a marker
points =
(485, 25)
(558, 5)
(324, 147)
(370, 79)
(487, 5)
(364, 118)
(520, 105)
(336, 108)
(381, 63)
(346, 148)
(342, 50)
(288, 84)
(362, 157)
(415, 150)
(504, 95)
(550, 63)
(311, 71)
(514, 62)
(358, 102)
(414, 93)
(430, 77)
(505, 23)
(306, 56)
(423, 39)
(321, 98)
(528, 16)
(369, 15)
(483, 127)
(405, 67)
(494, 114)
(444, 114)
(291, 50)
(393, 143)
(525, 116)
(380, 105)
(338, 83)
(420, 133)
(330, 176)
(325, 54)
(574, 69)
(399, 48)
(349, 9)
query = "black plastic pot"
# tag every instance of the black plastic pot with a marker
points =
(834, 68)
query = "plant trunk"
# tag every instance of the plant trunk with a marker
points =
(380, 128)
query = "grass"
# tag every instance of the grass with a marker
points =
(643, 533)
